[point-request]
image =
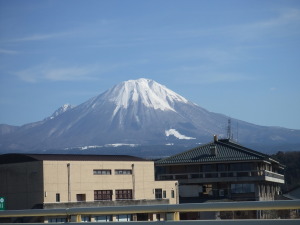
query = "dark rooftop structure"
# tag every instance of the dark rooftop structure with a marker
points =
(222, 170)
(19, 158)
(216, 151)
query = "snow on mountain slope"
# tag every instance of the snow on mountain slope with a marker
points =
(61, 110)
(178, 135)
(148, 92)
(140, 112)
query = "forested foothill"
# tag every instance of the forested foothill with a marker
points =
(291, 161)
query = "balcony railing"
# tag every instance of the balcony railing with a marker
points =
(274, 175)
(220, 174)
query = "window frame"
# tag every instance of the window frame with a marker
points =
(164, 194)
(103, 195)
(81, 197)
(123, 171)
(101, 172)
(158, 193)
(103, 218)
(242, 188)
(57, 197)
(123, 194)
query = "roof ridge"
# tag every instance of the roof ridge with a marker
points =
(242, 148)
(20, 157)
(226, 151)
(184, 152)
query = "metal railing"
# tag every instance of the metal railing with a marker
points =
(172, 212)
(274, 175)
(220, 174)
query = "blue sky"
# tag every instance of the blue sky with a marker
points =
(239, 58)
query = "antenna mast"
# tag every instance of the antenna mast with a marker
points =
(229, 129)
(237, 131)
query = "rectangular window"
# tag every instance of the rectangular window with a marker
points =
(57, 197)
(85, 219)
(240, 166)
(164, 194)
(209, 168)
(158, 193)
(172, 194)
(103, 218)
(123, 194)
(103, 195)
(81, 197)
(124, 218)
(117, 172)
(102, 172)
(222, 167)
(57, 220)
(242, 188)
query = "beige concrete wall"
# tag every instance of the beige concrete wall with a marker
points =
(83, 181)
(21, 184)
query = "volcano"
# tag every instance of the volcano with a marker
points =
(135, 113)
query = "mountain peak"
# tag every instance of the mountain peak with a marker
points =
(139, 112)
(61, 110)
(145, 91)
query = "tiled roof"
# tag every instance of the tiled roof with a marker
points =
(17, 158)
(225, 150)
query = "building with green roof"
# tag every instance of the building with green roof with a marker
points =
(222, 170)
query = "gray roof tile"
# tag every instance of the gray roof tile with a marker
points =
(227, 150)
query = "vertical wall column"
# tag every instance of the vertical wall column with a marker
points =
(69, 182)
(174, 216)
(133, 181)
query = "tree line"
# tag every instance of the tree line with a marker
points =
(291, 161)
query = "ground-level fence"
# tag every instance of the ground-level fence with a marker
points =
(168, 213)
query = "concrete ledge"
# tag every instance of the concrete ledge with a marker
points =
(64, 205)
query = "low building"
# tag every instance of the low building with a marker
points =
(63, 181)
(222, 171)
(293, 194)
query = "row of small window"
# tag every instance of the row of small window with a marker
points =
(107, 194)
(96, 219)
(108, 172)
(120, 195)
(79, 197)
(103, 195)
(127, 194)
(159, 193)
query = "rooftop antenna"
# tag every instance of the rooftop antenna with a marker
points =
(229, 129)
(237, 131)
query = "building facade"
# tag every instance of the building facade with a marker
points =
(222, 170)
(64, 181)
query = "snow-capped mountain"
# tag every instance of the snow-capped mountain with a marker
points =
(134, 113)
(146, 92)
(60, 110)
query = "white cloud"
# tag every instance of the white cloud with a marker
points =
(206, 74)
(40, 37)
(216, 77)
(52, 73)
(283, 22)
(8, 52)
(286, 16)
(71, 73)
(286, 23)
